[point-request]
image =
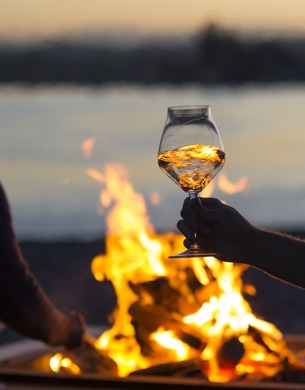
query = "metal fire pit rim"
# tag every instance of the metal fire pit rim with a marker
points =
(88, 381)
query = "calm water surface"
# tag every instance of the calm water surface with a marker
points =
(43, 169)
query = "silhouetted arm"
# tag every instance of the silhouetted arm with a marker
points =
(24, 306)
(223, 230)
(281, 256)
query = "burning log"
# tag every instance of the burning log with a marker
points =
(24, 306)
(149, 318)
(231, 351)
(163, 294)
(186, 368)
(84, 359)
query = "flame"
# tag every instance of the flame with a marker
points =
(87, 146)
(208, 191)
(168, 311)
(225, 185)
(95, 175)
(228, 187)
(59, 362)
(132, 249)
(168, 340)
(155, 198)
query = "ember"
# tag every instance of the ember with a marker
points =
(192, 311)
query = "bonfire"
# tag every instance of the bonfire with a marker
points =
(190, 314)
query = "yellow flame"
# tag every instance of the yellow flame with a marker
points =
(168, 340)
(209, 292)
(59, 362)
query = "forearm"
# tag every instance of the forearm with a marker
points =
(279, 255)
(23, 304)
(224, 230)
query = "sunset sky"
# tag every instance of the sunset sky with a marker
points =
(45, 18)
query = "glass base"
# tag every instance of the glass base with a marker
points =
(193, 252)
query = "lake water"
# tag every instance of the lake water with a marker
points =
(44, 171)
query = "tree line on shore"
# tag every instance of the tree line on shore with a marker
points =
(214, 56)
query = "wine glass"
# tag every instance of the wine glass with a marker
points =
(191, 154)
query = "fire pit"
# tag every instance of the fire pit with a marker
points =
(179, 324)
(25, 365)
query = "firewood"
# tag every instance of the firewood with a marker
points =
(258, 338)
(184, 369)
(163, 294)
(192, 281)
(231, 351)
(147, 319)
(91, 360)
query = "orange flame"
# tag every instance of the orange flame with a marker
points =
(96, 175)
(87, 147)
(199, 298)
(232, 188)
(155, 198)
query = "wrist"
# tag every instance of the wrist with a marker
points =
(77, 329)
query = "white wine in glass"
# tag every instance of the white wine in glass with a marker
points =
(191, 154)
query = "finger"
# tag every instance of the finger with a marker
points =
(203, 230)
(187, 212)
(203, 235)
(187, 243)
(186, 229)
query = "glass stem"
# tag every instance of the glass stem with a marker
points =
(195, 245)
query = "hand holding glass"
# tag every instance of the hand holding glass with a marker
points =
(191, 154)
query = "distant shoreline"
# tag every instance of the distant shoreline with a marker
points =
(100, 239)
(214, 56)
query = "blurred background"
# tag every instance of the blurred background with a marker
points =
(106, 71)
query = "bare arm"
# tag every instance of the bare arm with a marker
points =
(24, 306)
(223, 230)
(281, 256)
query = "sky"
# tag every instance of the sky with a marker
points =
(41, 19)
